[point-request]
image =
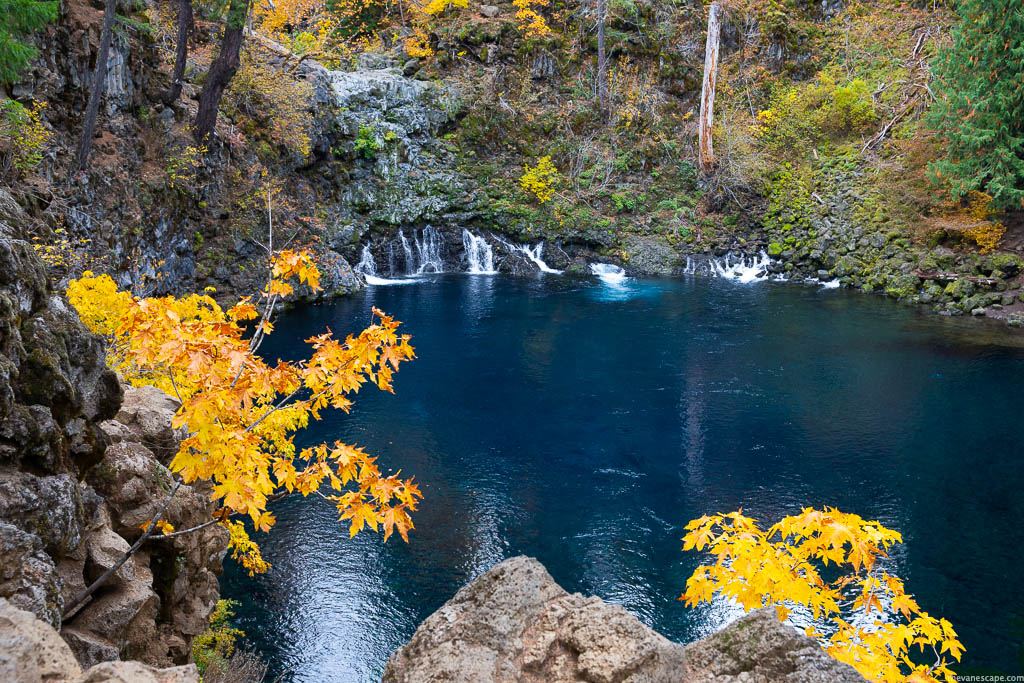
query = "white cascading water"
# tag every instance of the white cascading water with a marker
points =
(739, 268)
(743, 268)
(368, 267)
(479, 254)
(535, 255)
(422, 255)
(611, 275)
(407, 252)
(428, 250)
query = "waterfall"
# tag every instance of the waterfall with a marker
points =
(478, 253)
(743, 268)
(407, 251)
(366, 265)
(534, 254)
(422, 255)
(739, 268)
(428, 248)
(611, 275)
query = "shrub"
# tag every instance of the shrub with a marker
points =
(540, 180)
(212, 648)
(864, 618)
(183, 166)
(24, 135)
(800, 116)
(366, 144)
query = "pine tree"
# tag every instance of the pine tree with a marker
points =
(980, 111)
(20, 19)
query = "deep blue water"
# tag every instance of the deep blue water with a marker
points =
(585, 425)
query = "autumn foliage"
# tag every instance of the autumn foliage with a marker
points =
(864, 617)
(242, 413)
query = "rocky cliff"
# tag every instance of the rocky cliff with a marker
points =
(514, 623)
(82, 465)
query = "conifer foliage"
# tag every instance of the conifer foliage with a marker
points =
(980, 112)
(20, 19)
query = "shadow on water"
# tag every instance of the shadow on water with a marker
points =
(585, 424)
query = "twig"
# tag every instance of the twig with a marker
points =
(72, 608)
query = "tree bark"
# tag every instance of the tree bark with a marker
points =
(185, 22)
(705, 148)
(99, 80)
(222, 70)
(602, 64)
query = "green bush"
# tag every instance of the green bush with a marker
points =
(366, 144)
(212, 648)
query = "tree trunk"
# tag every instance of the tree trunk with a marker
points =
(181, 57)
(99, 80)
(705, 148)
(222, 70)
(602, 64)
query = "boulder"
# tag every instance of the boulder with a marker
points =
(514, 623)
(146, 415)
(32, 652)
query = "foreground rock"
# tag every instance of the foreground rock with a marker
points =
(515, 623)
(31, 652)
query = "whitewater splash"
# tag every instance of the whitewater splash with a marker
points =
(611, 275)
(479, 254)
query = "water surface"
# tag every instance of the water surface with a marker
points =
(585, 424)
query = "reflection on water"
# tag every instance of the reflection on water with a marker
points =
(585, 424)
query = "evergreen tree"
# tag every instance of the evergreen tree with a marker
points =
(19, 19)
(980, 111)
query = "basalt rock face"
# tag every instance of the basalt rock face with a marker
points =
(514, 623)
(82, 465)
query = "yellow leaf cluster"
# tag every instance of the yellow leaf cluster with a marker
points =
(530, 21)
(540, 180)
(241, 413)
(787, 564)
(417, 40)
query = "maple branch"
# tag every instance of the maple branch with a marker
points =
(198, 527)
(72, 608)
(273, 409)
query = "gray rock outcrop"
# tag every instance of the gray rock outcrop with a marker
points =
(514, 623)
(32, 652)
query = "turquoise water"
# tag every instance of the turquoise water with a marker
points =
(585, 424)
